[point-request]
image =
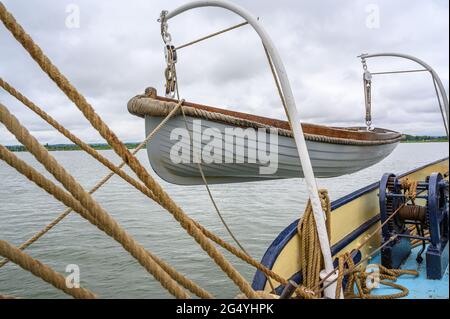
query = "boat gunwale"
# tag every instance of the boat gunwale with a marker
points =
(150, 104)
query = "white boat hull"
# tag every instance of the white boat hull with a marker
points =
(328, 160)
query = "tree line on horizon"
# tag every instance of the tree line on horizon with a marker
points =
(104, 146)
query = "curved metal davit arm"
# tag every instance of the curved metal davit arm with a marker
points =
(291, 112)
(427, 67)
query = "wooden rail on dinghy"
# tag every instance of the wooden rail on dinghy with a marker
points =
(150, 104)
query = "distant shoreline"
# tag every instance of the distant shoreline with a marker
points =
(424, 139)
(98, 146)
(69, 147)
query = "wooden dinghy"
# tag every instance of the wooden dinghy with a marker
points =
(333, 151)
(355, 217)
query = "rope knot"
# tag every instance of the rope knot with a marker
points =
(410, 187)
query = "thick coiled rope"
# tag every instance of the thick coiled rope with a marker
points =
(311, 259)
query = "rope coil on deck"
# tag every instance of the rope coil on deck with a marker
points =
(358, 278)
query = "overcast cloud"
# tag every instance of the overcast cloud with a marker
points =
(117, 52)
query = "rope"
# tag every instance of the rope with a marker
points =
(52, 122)
(88, 149)
(352, 269)
(211, 35)
(174, 274)
(358, 278)
(339, 283)
(210, 235)
(410, 188)
(310, 270)
(68, 200)
(160, 195)
(311, 258)
(242, 253)
(39, 234)
(277, 81)
(224, 223)
(145, 106)
(207, 233)
(248, 259)
(398, 72)
(368, 257)
(80, 201)
(210, 194)
(441, 108)
(222, 219)
(211, 197)
(365, 241)
(42, 271)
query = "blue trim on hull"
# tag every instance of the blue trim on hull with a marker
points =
(271, 255)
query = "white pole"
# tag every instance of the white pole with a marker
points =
(426, 66)
(293, 117)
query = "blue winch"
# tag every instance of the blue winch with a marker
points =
(418, 214)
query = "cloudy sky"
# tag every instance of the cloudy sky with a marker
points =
(116, 52)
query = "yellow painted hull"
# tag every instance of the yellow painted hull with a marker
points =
(353, 219)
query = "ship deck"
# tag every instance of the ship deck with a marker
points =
(419, 287)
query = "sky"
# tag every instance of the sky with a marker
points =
(112, 50)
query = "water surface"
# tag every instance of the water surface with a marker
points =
(256, 212)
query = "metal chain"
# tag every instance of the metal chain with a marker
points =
(170, 55)
(170, 72)
(364, 63)
(167, 38)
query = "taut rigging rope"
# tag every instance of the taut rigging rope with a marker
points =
(160, 195)
(43, 271)
(78, 199)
